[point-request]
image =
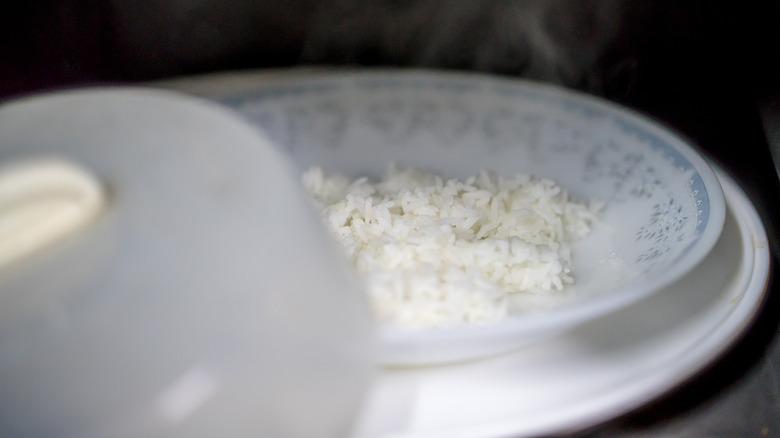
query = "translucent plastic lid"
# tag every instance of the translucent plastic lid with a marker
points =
(204, 299)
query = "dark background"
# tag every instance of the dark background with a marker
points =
(706, 69)
(699, 66)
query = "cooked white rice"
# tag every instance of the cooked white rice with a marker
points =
(440, 252)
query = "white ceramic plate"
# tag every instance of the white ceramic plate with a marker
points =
(598, 371)
(664, 210)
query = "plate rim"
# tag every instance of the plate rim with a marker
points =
(398, 347)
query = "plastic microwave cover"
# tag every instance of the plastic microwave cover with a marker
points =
(205, 300)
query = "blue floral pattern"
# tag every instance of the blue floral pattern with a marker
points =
(362, 121)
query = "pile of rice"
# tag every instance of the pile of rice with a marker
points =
(441, 252)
